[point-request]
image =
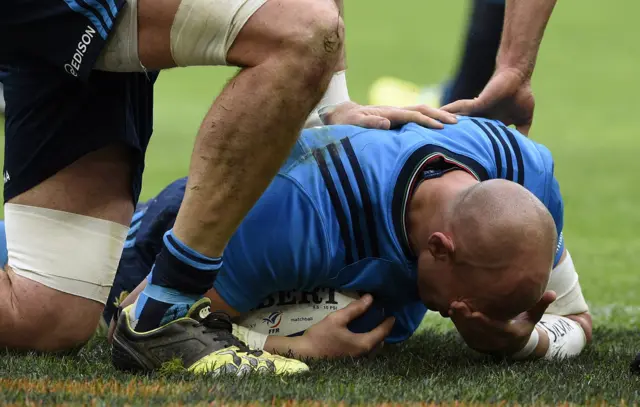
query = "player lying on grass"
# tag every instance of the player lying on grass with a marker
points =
(421, 219)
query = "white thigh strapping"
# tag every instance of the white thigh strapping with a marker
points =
(204, 30)
(71, 253)
(201, 34)
(120, 54)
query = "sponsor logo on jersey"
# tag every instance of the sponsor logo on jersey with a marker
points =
(73, 66)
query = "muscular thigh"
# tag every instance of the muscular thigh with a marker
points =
(190, 32)
(168, 33)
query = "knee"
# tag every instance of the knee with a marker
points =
(303, 37)
(316, 37)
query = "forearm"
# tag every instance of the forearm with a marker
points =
(524, 25)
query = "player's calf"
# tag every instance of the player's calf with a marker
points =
(64, 241)
(36, 317)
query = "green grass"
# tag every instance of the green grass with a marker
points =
(587, 88)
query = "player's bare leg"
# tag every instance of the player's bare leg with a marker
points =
(290, 49)
(34, 316)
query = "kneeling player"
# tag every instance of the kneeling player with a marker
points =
(466, 221)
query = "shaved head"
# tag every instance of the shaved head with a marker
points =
(504, 240)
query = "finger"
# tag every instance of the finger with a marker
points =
(424, 121)
(535, 314)
(400, 117)
(495, 324)
(459, 311)
(371, 122)
(461, 107)
(370, 340)
(460, 308)
(437, 114)
(353, 310)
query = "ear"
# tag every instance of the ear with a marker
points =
(440, 246)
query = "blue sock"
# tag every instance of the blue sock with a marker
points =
(179, 277)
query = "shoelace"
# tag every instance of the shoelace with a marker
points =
(220, 324)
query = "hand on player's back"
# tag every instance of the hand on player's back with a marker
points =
(331, 338)
(487, 335)
(507, 97)
(387, 117)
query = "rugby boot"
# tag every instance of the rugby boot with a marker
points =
(201, 340)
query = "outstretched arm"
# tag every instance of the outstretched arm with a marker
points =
(336, 106)
(507, 96)
(524, 25)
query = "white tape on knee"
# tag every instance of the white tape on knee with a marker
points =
(564, 281)
(204, 30)
(71, 253)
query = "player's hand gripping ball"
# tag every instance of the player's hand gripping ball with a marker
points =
(290, 313)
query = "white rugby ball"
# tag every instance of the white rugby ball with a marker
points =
(292, 312)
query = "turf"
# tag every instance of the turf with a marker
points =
(586, 88)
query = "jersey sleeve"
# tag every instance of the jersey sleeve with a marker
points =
(281, 245)
(408, 319)
(556, 207)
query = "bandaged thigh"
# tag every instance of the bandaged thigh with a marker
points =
(75, 254)
(202, 33)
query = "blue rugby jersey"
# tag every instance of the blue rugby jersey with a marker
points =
(334, 215)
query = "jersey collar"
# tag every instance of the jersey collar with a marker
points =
(411, 175)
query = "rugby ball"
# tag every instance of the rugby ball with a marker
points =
(290, 313)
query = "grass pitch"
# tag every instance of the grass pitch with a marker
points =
(586, 86)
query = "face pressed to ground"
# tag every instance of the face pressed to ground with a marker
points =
(502, 292)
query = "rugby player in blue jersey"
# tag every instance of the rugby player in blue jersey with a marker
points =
(466, 221)
(79, 87)
(79, 95)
